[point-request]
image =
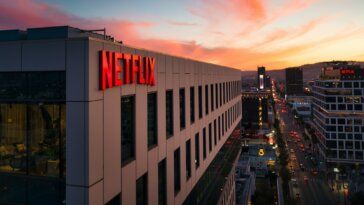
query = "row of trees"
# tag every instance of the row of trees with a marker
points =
(283, 162)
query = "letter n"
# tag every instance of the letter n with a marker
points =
(106, 70)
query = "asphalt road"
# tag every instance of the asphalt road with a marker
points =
(314, 190)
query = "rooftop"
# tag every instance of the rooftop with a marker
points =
(55, 32)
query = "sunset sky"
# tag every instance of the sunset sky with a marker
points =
(238, 33)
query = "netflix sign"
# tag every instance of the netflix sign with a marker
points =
(118, 69)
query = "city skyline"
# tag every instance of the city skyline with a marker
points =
(275, 34)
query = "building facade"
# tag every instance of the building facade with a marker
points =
(294, 81)
(261, 78)
(87, 120)
(338, 114)
(254, 109)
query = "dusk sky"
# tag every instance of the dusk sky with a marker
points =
(238, 33)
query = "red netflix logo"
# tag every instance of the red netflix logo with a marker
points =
(112, 64)
(347, 72)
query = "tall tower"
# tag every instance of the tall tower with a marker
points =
(261, 78)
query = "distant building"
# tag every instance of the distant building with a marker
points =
(294, 81)
(261, 78)
(268, 83)
(338, 113)
(255, 109)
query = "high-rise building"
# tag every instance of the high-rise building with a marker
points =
(85, 119)
(294, 81)
(254, 109)
(261, 78)
(338, 113)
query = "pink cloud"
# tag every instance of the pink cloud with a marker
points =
(28, 13)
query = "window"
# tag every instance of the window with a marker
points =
(224, 92)
(215, 136)
(188, 159)
(212, 97)
(219, 121)
(216, 96)
(182, 108)
(177, 171)
(32, 137)
(162, 182)
(210, 138)
(192, 104)
(152, 120)
(197, 150)
(115, 201)
(200, 102)
(127, 129)
(222, 124)
(221, 94)
(204, 142)
(169, 113)
(206, 99)
(142, 190)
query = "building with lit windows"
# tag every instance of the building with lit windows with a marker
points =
(261, 78)
(254, 109)
(338, 112)
(85, 119)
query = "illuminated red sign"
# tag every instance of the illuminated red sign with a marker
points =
(347, 72)
(131, 66)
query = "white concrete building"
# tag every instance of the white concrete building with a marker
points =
(70, 133)
(338, 113)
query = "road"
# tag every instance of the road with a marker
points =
(314, 190)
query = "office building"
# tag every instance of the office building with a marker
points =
(254, 109)
(85, 119)
(294, 81)
(261, 78)
(338, 115)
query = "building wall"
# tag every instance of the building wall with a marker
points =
(339, 119)
(94, 114)
(94, 174)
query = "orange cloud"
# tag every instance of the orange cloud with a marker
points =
(28, 13)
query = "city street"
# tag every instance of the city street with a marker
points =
(308, 186)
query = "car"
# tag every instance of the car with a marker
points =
(297, 195)
(305, 178)
(291, 150)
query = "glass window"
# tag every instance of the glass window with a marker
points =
(127, 128)
(204, 142)
(212, 97)
(142, 190)
(182, 108)
(206, 99)
(177, 171)
(219, 131)
(152, 120)
(169, 113)
(200, 102)
(216, 96)
(32, 137)
(192, 104)
(188, 159)
(115, 201)
(210, 138)
(197, 150)
(162, 182)
(215, 134)
(221, 94)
